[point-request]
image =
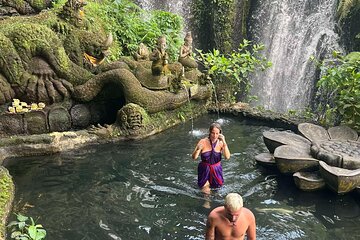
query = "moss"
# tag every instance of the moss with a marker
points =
(32, 139)
(214, 20)
(244, 16)
(38, 4)
(186, 112)
(6, 198)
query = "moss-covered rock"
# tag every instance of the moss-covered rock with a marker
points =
(7, 190)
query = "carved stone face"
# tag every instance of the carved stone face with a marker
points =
(130, 118)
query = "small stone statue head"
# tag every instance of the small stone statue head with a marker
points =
(143, 52)
(161, 43)
(188, 39)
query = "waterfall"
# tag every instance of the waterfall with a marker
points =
(292, 31)
(178, 7)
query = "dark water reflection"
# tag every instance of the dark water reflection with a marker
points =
(147, 190)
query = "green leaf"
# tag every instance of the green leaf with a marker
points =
(21, 225)
(15, 234)
(32, 231)
(22, 218)
(12, 223)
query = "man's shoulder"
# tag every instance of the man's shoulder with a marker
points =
(216, 211)
(248, 213)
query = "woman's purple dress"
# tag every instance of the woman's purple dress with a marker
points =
(210, 169)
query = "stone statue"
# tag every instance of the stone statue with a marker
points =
(142, 53)
(64, 65)
(185, 56)
(130, 117)
(160, 58)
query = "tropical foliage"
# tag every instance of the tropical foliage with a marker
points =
(234, 68)
(132, 25)
(340, 89)
(25, 228)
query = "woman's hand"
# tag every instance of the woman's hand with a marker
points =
(222, 138)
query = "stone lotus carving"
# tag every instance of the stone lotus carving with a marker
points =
(309, 181)
(315, 156)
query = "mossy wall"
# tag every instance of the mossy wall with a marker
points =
(6, 197)
(348, 14)
(219, 24)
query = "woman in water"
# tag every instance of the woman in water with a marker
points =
(210, 149)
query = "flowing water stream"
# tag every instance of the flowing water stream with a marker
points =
(147, 189)
(292, 31)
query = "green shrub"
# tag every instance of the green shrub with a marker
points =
(234, 68)
(22, 229)
(131, 25)
(340, 84)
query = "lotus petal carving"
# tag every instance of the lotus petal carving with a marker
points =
(316, 156)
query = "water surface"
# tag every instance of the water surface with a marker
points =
(147, 190)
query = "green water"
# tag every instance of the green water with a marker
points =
(147, 190)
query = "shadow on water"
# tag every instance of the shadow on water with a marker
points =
(147, 190)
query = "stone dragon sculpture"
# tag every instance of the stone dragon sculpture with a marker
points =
(54, 57)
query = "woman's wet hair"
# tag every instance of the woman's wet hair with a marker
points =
(215, 125)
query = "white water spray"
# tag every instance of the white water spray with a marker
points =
(292, 31)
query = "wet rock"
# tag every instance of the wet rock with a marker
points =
(36, 122)
(11, 123)
(59, 119)
(80, 116)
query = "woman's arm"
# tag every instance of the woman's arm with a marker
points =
(225, 148)
(197, 150)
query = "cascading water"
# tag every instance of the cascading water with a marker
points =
(292, 31)
(179, 7)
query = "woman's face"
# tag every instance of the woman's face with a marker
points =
(214, 134)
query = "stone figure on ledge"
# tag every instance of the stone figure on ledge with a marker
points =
(142, 53)
(160, 58)
(185, 56)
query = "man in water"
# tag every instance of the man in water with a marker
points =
(231, 221)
